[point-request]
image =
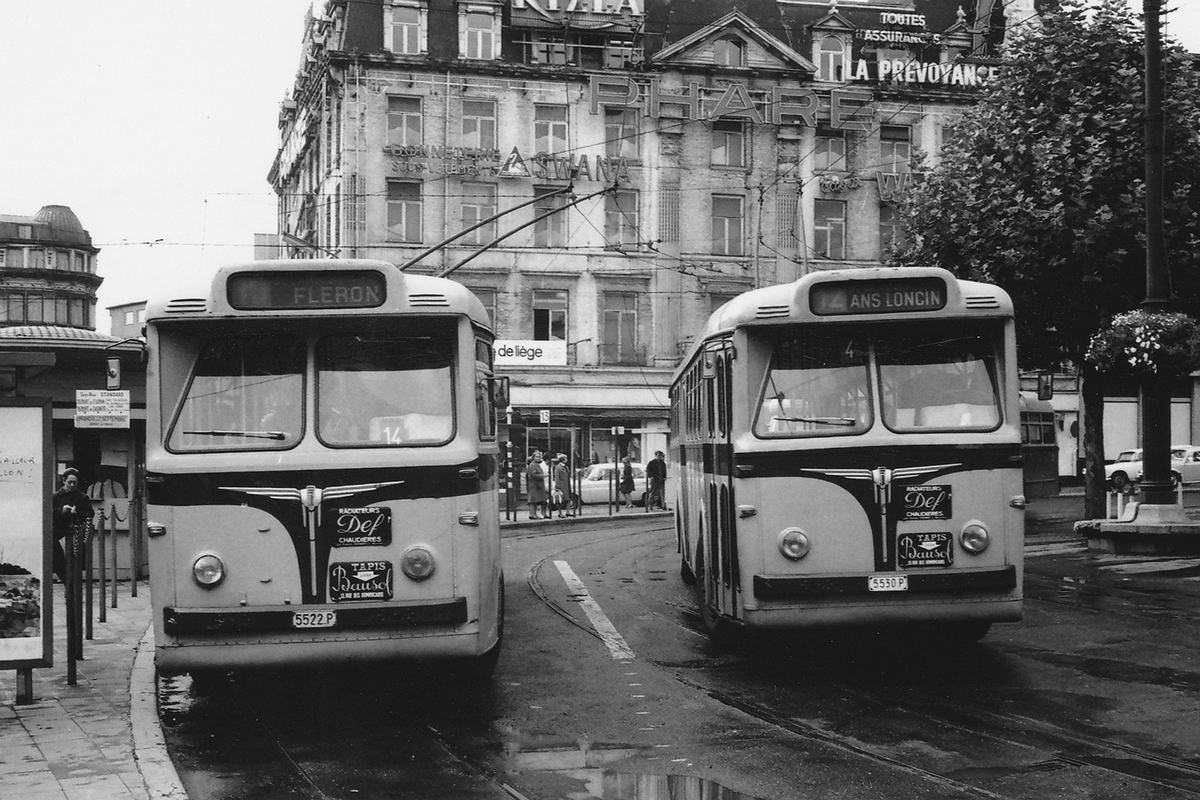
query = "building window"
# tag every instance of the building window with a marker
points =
(891, 229)
(404, 121)
(729, 52)
(549, 315)
(478, 203)
(406, 30)
(621, 132)
(403, 211)
(487, 296)
(830, 153)
(3, 257)
(619, 345)
(829, 228)
(479, 35)
(550, 129)
(895, 148)
(129, 317)
(621, 219)
(668, 214)
(726, 225)
(551, 231)
(832, 59)
(716, 300)
(479, 124)
(728, 144)
(50, 259)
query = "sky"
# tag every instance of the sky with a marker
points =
(156, 122)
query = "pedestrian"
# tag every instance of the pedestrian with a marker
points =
(535, 483)
(70, 511)
(562, 485)
(625, 489)
(656, 471)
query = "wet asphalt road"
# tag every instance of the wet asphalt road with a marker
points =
(1095, 694)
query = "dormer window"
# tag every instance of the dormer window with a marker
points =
(479, 32)
(831, 59)
(729, 51)
(405, 27)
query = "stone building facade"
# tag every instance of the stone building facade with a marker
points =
(606, 173)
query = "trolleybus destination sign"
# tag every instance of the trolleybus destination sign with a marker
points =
(878, 297)
(295, 290)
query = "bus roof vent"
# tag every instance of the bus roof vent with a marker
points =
(982, 301)
(428, 300)
(773, 312)
(187, 305)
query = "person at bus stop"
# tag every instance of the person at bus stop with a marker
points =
(656, 471)
(625, 488)
(535, 482)
(562, 484)
(70, 510)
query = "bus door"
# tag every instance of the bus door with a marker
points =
(722, 572)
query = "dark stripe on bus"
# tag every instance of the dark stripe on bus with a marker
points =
(279, 620)
(795, 588)
(414, 483)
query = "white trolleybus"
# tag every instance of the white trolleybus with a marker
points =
(321, 470)
(849, 453)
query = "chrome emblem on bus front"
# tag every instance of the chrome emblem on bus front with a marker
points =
(310, 499)
(883, 478)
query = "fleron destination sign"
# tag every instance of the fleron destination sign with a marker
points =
(887, 296)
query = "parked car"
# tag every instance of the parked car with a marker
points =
(594, 483)
(1127, 469)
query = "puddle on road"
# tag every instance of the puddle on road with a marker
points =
(586, 771)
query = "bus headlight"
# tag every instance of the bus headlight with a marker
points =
(208, 571)
(974, 537)
(417, 563)
(793, 543)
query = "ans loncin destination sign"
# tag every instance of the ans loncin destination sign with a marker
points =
(889, 296)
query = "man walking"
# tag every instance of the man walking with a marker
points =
(656, 471)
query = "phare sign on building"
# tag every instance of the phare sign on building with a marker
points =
(558, 8)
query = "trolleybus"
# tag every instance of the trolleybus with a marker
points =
(849, 453)
(321, 469)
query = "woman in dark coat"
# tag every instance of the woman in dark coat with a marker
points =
(70, 510)
(626, 487)
(535, 485)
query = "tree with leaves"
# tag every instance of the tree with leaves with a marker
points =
(1040, 189)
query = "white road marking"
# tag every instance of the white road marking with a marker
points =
(608, 633)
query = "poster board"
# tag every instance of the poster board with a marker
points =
(26, 537)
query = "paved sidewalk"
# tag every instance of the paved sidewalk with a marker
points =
(99, 739)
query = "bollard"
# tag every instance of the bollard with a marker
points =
(89, 598)
(68, 595)
(103, 570)
(114, 564)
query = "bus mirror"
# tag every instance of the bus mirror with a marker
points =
(1045, 386)
(708, 365)
(498, 390)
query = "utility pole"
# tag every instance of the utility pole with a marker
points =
(1156, 391)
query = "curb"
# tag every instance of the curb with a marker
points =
(149, 747)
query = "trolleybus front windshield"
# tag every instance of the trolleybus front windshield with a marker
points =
(928, 376)
(246, 393)
(385, 390)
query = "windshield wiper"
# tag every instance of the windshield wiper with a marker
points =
(844, 421)
(280, 435)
